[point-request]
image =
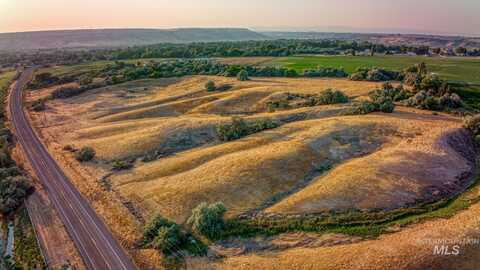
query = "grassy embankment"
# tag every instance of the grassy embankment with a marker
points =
(27, 252)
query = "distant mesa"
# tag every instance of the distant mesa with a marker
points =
(108, 38)
(120, 37)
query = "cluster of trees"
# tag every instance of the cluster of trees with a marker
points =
(427, 91)
(430, 92)
(170, 239)
(14, 187)
(46, 79)
(122, 72)
(380, 100)
(389, 91)
(206, 221)
(272, 48)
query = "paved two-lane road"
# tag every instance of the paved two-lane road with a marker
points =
(95, 243)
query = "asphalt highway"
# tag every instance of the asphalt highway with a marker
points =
(95, 243)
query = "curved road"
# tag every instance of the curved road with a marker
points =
(95, 243)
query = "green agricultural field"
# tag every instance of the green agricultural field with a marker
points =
(454, 69)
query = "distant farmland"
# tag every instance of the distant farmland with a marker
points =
(454, 69)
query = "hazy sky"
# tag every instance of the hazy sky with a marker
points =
(428, 16)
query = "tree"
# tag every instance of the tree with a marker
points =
(168, 239)
(208, 220)
(242, 75)
(210, 86)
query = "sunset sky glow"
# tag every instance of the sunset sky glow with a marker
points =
(402, 16)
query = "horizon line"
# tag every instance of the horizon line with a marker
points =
(263, 29)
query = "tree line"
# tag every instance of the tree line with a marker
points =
(272, 48)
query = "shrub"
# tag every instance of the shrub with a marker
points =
(208, 220)
(120, 165)
(239, 128)
(236, 130)
(382, 104)
(262, 124)
(38, 105)
(242, 75)
(472, 123)
(85, 154)
(385, 105)
(210, 86)
(362, 107)
(330, 96)
(357, 76)
(279, 104)
(388, 91)
(450, 101)
(67, 92)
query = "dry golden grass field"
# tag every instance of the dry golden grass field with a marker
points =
(375, 161)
